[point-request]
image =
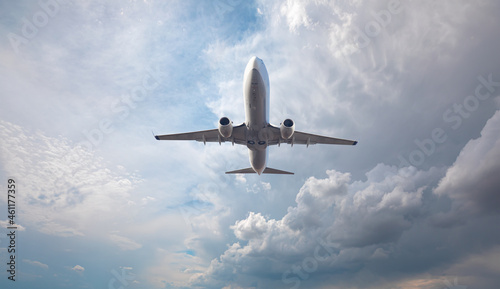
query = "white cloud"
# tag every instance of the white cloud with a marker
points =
(257, 188)
(6, 223)
(252, 227)
(52, 228)
(62, 186)
(79, 269)
(36, 263)
(295, 14)
(124, 243)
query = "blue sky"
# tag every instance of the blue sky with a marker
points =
(102, 204)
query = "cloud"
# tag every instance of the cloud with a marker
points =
(352, 85)
(480, 269)
(52, 228)
(6, 223)
(36, 263)
(252, 227)
(403, 72)
(355, 221)
(124, 243)
(472, 181)
(59, 179)
(386, 87)
(340, 230)
(295, 14)
(79, 269)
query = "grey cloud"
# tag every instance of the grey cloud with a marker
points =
(472, 181)
(390, 93)
(387, 94)
(381, 228)
(354, 220)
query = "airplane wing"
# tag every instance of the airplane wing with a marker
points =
(212, 135)
(304, 138)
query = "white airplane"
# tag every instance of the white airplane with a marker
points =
(256, 132)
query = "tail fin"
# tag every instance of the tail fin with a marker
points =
(266, 171)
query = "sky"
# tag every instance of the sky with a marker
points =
(101, 204)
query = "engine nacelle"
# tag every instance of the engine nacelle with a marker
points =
(287, 128)
(225, 127)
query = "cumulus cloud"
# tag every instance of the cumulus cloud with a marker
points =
(472, 181)
(358, 227)
(252, 227)
(79, 269)
(343, 218)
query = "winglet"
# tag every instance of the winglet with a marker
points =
(156, 137)
(355, 143)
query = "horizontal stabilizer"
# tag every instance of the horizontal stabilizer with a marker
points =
(266, 171)
(243, 171)
(275, 171)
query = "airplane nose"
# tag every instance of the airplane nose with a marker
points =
(255, 62)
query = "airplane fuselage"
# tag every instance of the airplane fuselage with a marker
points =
(256, 94)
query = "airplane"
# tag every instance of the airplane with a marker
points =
(256, 132)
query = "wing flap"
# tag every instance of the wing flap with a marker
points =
(310, 139)
(205, 135)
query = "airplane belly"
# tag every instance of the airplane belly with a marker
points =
(255, 100)
(257, 159)
(256, 94)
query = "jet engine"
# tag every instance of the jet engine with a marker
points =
(287, 128)
(225, 127)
